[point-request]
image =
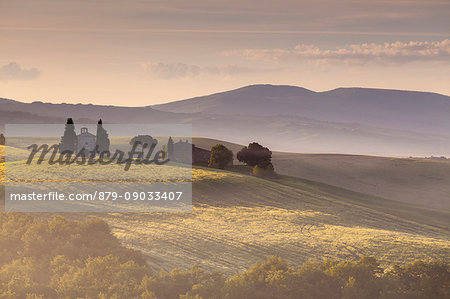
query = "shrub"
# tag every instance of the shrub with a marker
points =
(220, 156)
(60, 258)
(264, 169)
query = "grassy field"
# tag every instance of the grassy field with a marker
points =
(91, 179)
(14, 154)
(414, 181)
(238, 220)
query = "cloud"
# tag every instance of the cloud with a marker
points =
(12, 71)
(181, 70)
(396, 53)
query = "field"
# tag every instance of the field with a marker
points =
(238, 220)
(415, 181)
(89, 179)
(14, 154)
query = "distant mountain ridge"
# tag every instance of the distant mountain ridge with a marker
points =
(415, 111)
(89, 112)
(284, 118)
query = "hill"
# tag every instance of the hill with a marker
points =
(87, 113)
(14, 153)
(238, 219)
(422, 112)
(298, 134)
(285, 118)
(20, 117)
(415, 181)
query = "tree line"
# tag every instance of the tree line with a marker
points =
(61, 258)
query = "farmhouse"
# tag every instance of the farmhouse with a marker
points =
(183, 149)
(200, 155)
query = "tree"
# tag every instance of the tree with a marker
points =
(170, 147)
(254, 154)
(144, 143)
(102, 140)
(421, 279)
(2, 139)
(68, 140)
(220, 156)
(259, 158)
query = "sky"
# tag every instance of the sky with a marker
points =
(137, 53)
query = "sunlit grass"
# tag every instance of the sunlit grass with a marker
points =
(238, 219)
(231, 238)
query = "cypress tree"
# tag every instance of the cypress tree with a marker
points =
(69, 139)
(102, 140)
(170, 147)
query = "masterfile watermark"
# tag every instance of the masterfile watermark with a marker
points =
(98, 167)
(66, 157)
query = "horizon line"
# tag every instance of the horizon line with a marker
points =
(223, 91)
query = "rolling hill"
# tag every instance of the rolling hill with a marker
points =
(415, 181)
(86, 112)
(238, 220)
(285, 118)
(421, 112)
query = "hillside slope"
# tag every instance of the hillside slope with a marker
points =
(422, 112)
(238, 220)
(291, 133)
(415, 181)
(86, 112)
(423, 182)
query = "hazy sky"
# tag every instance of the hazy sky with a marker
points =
(138, 53)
